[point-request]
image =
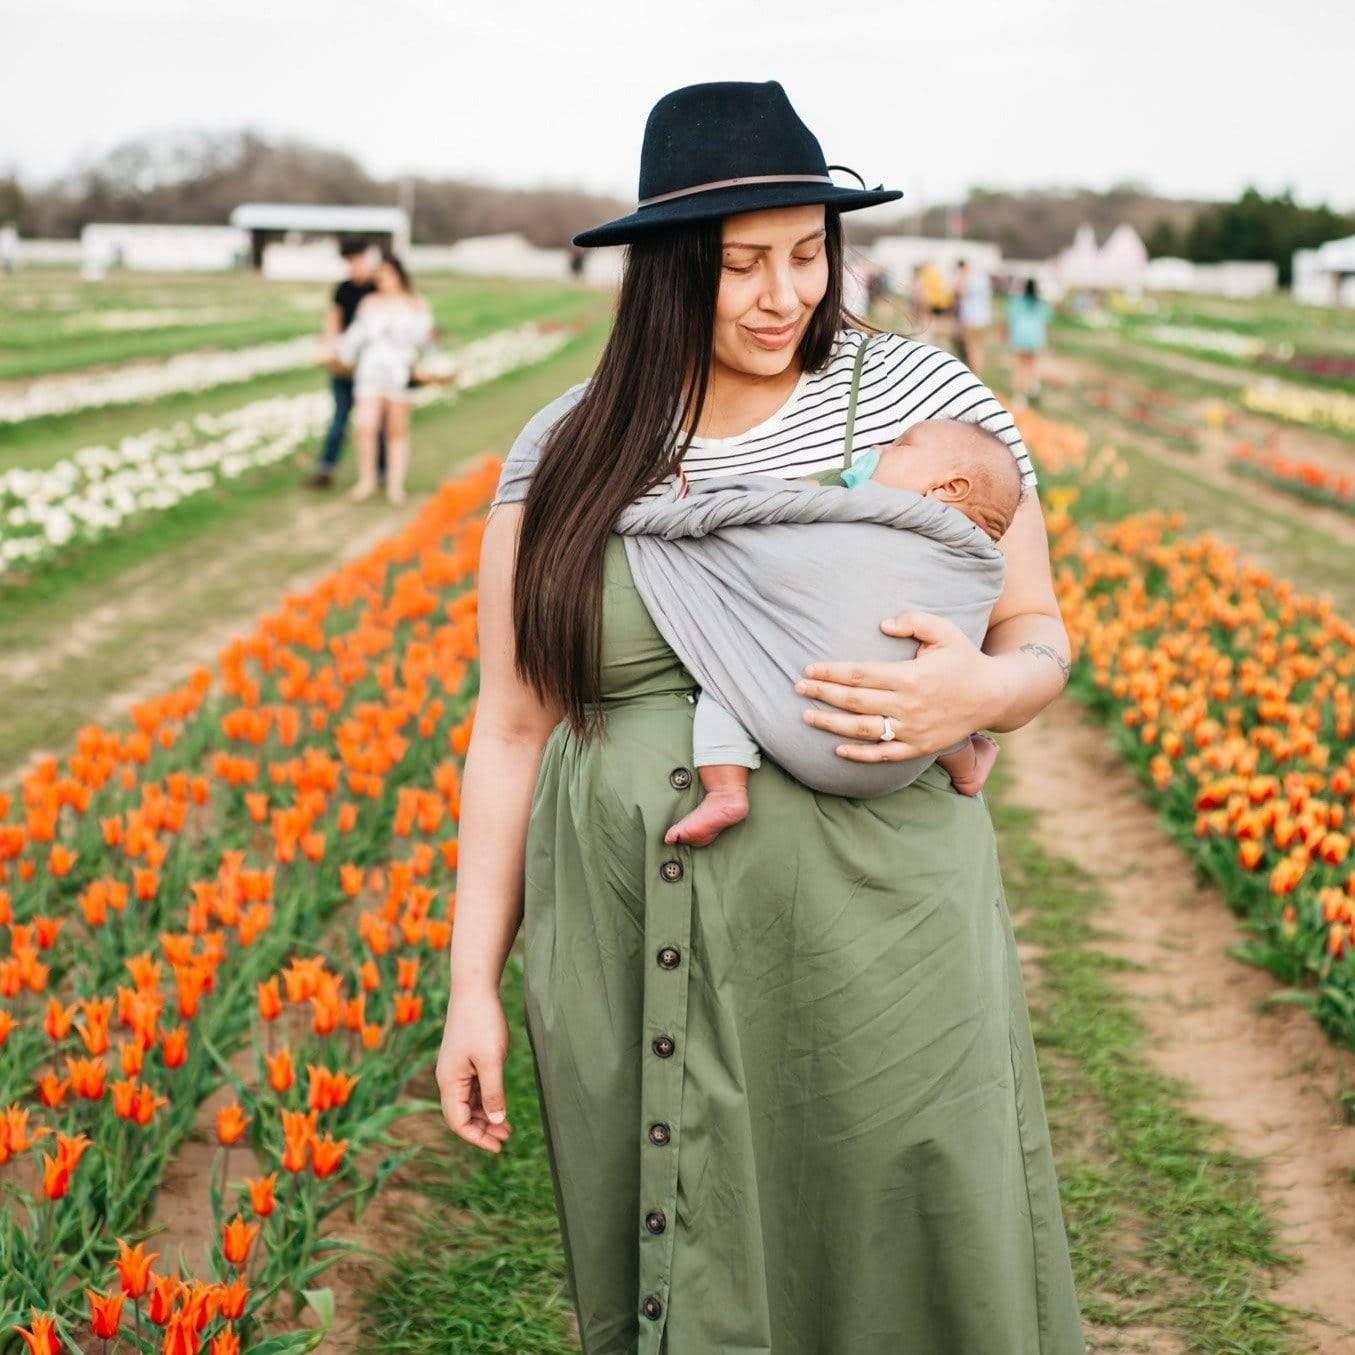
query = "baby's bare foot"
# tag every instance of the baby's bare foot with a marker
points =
(710, 818)
(982, 756)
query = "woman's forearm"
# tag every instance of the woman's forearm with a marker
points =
(1031, 664)
(496, 799)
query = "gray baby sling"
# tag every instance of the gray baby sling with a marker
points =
(750, 577)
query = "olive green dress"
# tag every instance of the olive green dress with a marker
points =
(788, 1083)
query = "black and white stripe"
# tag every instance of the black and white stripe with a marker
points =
(903, 382)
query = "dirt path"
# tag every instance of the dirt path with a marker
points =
(1268, 1077)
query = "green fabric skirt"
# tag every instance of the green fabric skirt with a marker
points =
(788, 1082)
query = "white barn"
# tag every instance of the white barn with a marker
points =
(1325, 276)
(301, 240)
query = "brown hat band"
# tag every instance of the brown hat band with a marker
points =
(736, 183)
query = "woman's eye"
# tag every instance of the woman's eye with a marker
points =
(734, 268)
(807, 259)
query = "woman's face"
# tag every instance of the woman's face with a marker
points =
(387, 279)
(774, 274)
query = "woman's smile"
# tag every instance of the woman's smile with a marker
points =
(774, 337)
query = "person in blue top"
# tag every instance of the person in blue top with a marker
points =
(1027, 326)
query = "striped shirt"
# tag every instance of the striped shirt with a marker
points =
(903, 382)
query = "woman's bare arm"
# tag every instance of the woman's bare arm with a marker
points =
(510, 731)
(1026, 635)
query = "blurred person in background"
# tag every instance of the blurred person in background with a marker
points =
(933, 300)
(1027, 335)
(348, 295)
(392, 328)
(974, 312)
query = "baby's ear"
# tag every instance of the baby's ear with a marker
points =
(953, 489)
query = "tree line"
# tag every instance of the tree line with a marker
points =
(197, 178)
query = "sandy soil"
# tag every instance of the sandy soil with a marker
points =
(1266, 1075)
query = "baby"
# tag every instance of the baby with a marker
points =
(958, 463)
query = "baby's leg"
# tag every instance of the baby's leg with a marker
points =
(722, 753)
(970, 764)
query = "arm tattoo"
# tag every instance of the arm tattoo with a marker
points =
(1045, 651)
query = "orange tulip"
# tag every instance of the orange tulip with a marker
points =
(58, 1020)
(327, 1090)
(60, 860)
(237, 1237)
(231, 1123)
(164, 1291)
(281, 1075)
(326, 1155)
(231, 1298)
(51, 1091)
(87, 1077)
(42, 1338)
(408, 1009)
(270, 1000)
(297, 1131)
(225, 1342)
(134, 1268)
(7, 1026)
(261, 1197)
(174, 1047)
(181, 1335)
(105, 1313)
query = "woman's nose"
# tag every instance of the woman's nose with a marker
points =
(780, 295)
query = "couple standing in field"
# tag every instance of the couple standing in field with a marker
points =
(376, 329)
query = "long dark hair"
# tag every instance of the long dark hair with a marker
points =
(401, 272)
(628, 432)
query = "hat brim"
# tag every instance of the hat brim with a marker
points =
(722, 202)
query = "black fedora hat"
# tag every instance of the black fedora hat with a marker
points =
(729, 146)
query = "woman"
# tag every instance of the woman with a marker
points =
(787, 1080)
(392, 327)
(1027, 327)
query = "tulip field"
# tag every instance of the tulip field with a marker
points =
(224, 919)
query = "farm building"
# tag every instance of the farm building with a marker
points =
(1236, 278)
(156, 248)
(1325, 276)
(301, 240)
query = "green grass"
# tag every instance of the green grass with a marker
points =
(482, 1269)
(1167, 1227)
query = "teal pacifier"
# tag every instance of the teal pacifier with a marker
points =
(861, 469)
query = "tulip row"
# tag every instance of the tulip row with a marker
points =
(99, 490)
(1304, 479)
(139, 382)
(1233, 695)
(248, 895)
(1302, 404)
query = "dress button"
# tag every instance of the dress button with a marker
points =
(659, 1132)
(655, 1221)
(680, 778)
(652, 1308)
(669, 957)
(671, 871)
(663, 1046)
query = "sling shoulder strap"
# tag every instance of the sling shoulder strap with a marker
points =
(850, 431)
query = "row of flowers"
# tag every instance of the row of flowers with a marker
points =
(1302, 404)
(246, 898)
(98, 490)
(143, 381)
(1307, 480)
(1234, 697)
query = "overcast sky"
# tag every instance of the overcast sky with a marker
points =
(1194, 97)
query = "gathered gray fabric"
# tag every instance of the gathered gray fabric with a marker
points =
(750, 577)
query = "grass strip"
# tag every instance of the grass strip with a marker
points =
(1167, 1227)
(483, 1269)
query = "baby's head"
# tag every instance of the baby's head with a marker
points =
(963, 465)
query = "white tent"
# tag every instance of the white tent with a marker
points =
(1238, 278)
(1326, 276)
(1117, 265)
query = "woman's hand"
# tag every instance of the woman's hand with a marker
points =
(470, 1070)
(933, 701)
